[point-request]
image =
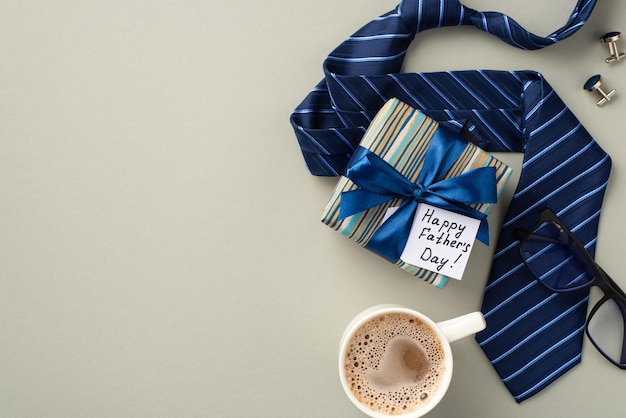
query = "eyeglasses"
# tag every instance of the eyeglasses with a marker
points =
(561, 263)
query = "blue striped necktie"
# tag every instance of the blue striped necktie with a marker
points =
(532, 336)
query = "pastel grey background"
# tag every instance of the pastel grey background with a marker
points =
(161, 253)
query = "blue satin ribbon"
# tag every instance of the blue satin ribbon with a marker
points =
(379, 182)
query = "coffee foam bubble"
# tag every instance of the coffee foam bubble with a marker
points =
(394, 364)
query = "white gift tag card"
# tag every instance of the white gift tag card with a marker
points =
(440, 241)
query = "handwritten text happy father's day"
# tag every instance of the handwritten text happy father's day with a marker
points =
(440, 240)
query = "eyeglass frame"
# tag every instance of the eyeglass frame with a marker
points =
(600, 278)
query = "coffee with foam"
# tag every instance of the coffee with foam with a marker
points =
(394, 363)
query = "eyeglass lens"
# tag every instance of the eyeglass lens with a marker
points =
(556, 261)
(606, 330)
(561, 265)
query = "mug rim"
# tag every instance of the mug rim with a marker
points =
(378, 310)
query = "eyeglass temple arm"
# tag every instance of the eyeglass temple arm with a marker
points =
(621, 306)
(614, 286)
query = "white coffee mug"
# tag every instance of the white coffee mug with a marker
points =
(395, 361)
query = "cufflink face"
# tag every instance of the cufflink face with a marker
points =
(611, 39)
(595, 84)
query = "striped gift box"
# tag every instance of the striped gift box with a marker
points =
(401, 135)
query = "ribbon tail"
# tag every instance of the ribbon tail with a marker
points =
(483, 232)
(391, 237)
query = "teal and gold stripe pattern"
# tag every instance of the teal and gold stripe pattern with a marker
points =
(401, 135)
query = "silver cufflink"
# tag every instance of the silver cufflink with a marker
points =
(594, 84)
(611, 39)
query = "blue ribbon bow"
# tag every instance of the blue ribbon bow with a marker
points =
(379, 182)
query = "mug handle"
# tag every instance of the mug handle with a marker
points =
(462, 326)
